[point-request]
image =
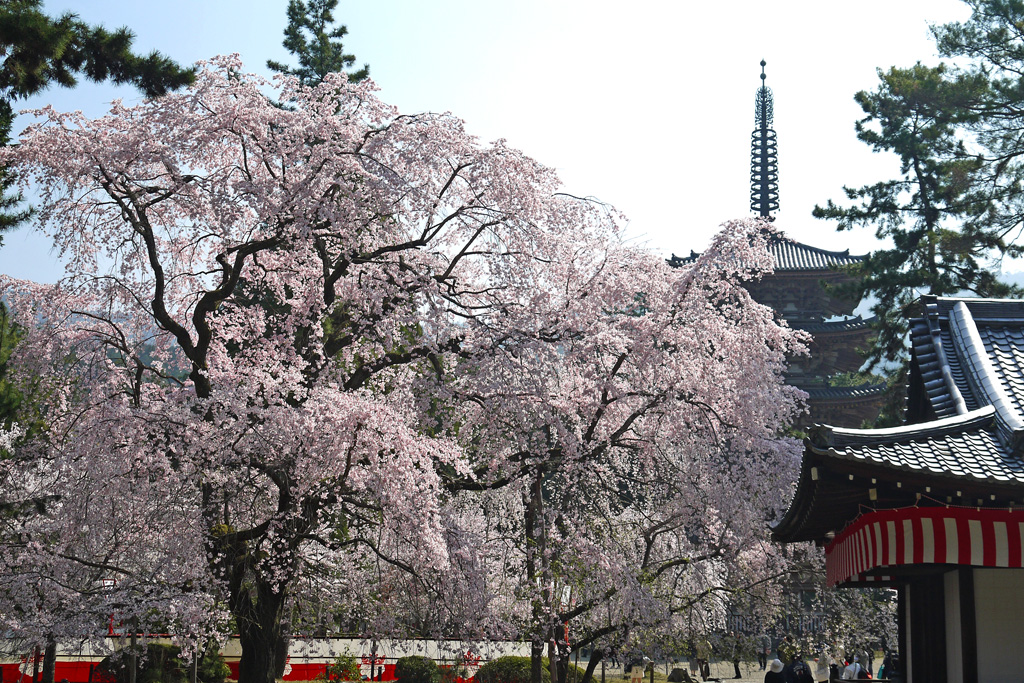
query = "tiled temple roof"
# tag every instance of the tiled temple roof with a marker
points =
(791, 255)
(943, 380)
(970, 353)
(963, 446)
(968, 358)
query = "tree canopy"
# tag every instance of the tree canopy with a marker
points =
(955, 209)
(40, 51)
(938, 215)
(333, 350)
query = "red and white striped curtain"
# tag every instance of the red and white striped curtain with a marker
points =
(933, 535)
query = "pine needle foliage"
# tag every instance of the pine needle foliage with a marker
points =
(315, 40)
(39, 51)
(940, 218)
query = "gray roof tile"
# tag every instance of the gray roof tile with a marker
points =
(791, 255)
(1005, 345)
(976, 454)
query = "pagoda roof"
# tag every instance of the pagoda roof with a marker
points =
(968, 356)
(791, 255)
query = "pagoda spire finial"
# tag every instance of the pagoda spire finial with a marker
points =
(764, 155)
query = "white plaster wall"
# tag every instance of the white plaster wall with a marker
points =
(999, 604)
(954, 644)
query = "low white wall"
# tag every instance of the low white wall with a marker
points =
(999, 615)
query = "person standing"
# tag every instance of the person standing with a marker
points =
(821, 669)
(891, 667)
(764, 648)
(693, 660)
(704, 658)
(799, 672)
(735, 640)
(774, 674)
(631, 668)
(854, 671)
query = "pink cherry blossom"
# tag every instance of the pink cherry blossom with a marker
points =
(334, 359)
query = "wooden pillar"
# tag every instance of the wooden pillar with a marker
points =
(927, 610)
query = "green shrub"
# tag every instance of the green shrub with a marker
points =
(212, 667)
(416, 669)
(160, 664)
(344, 668)
(509, 670)
(574, 673)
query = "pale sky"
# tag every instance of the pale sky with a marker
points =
(648, 106)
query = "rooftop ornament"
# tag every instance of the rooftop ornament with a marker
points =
(764, 155)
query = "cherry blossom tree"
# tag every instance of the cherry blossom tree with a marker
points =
(253, 299)
(637, 418)
(625, 456)
(340, 347)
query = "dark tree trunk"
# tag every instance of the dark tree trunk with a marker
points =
(49, 660)
(281, 655)
(595, 658)
(258, 605)
(133, 655)
(536, 660)
(260, 633)
(559, 664)
(534, 563)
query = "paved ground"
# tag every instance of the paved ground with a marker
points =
(719, 670)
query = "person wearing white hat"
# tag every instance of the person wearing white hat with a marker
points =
(853, 671)
(774, 673)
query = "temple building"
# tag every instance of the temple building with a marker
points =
(801, 290)
(935, 508)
